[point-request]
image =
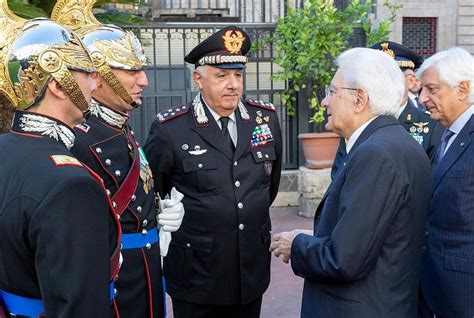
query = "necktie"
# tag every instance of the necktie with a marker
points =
(447, 134)
(225, 132)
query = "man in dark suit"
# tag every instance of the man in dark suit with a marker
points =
(59, 235)
(447, 278)
(417, 122)
(106, 143)
(364, 257)
(224, 155)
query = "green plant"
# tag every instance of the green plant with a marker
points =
(307, 40)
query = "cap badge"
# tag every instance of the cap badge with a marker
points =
(233, 41)
(387, 50)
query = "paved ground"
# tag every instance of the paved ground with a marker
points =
(283, 297)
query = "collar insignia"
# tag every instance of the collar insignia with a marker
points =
(108, 115)
(44, 126)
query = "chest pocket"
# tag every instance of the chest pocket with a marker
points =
(264, 158)
(201, 171)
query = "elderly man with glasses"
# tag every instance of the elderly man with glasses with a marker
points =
(363, 259)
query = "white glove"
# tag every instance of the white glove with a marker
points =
(170, 218)
(172, 212)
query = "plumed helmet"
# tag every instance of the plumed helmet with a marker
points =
(109, 45)
(32, 52)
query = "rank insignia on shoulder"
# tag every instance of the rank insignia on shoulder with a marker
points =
(63, 160)
(408, 117)
(261, 104)
(172, 113)
(83, 127)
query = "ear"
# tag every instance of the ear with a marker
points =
(56, 90)
(361, 101)
(197, 79)
(98, 79)
(464, 89)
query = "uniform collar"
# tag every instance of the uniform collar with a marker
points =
(44, 126)
(201, 116)
(108, 115)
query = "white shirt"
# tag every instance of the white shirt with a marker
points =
(231, 126)
(355, 135)
(413, 98)
(459, 124)
(400, 111)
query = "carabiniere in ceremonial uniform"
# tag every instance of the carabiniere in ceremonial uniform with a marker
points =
(60, 237)
(105, 142)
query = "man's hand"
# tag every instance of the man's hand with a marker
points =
(281, 243)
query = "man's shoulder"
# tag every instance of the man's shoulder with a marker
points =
(172, 113)
(260, 104)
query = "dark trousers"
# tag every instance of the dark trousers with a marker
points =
(183, 309)
(423, 310)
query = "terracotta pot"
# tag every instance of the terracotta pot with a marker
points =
(319, 149)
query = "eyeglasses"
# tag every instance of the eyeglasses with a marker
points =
(329, 89)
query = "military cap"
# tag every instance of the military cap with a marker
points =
(404, 56)
(225, 48)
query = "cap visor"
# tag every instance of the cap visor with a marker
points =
(229, 65)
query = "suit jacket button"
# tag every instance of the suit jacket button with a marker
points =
(200, 165)
(108, 162)
(240, 205)
(117, 173)
(188, 245)
(144, 232)
(98, 150)
(139, 209)
(241, 226)
(235, 163)
(145, 222)
(148, 246)
(237, 183)
(134, 197)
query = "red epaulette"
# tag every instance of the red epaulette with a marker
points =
(172, 113)
(262, 104)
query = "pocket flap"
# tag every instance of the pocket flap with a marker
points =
(263, 154)
(199, 163)
(195, 241)
(458, 263)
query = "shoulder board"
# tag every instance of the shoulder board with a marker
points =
(83, 127)
(172, 113)
(262, 104)
(63, 160)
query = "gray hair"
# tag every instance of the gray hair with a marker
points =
(378, 74)
(453, 66)
(201, 69)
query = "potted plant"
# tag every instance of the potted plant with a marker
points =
(307, 40)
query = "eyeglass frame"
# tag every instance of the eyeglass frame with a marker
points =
(327, 89)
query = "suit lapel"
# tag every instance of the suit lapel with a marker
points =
(212, 134)
(457, 148)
